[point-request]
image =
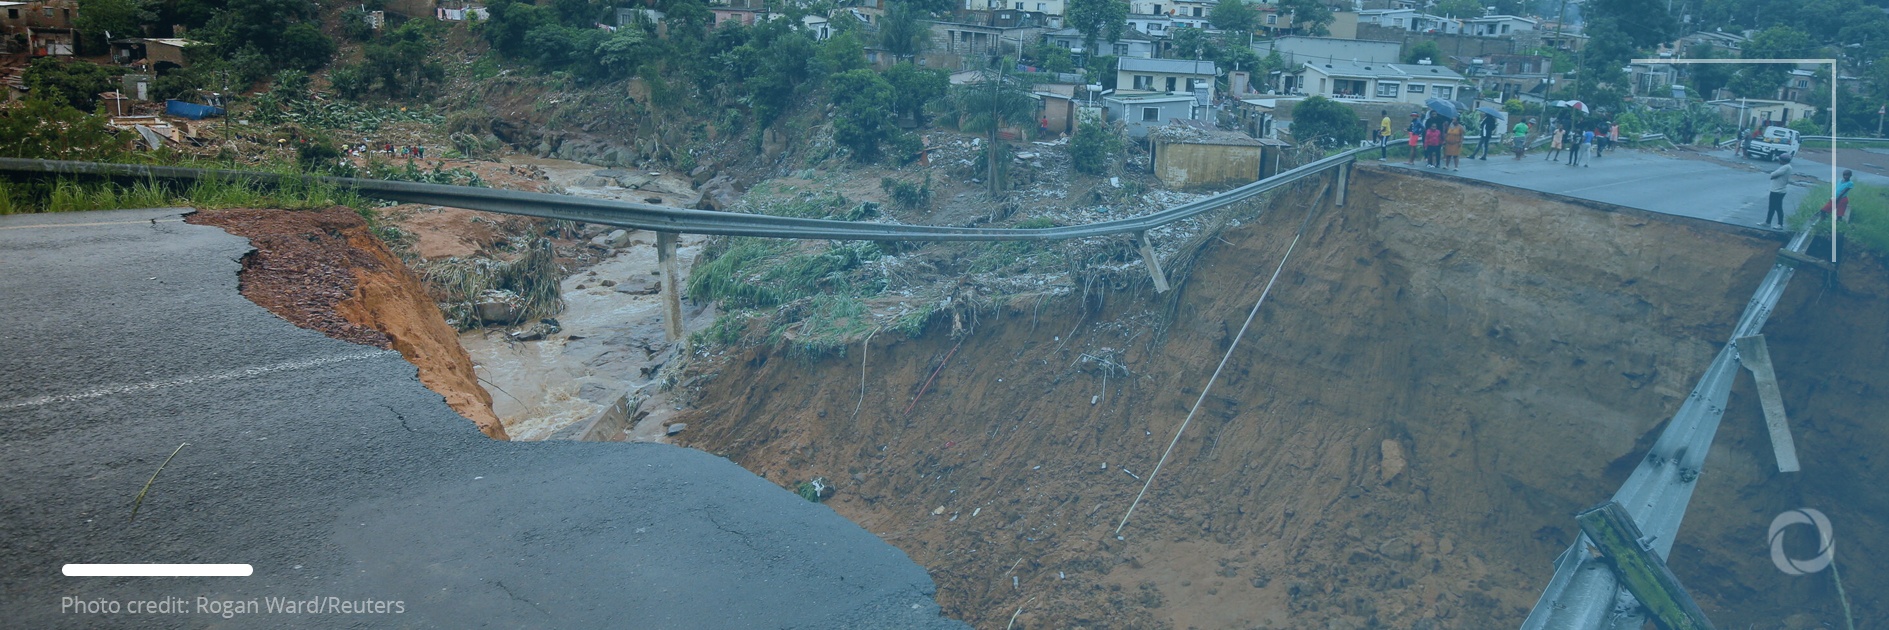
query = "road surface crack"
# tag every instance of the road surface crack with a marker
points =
(508, 591)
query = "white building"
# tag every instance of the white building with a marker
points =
(1384, 82)
(1174, 76)
(1391, 18)
(1141, 112)
(1498, 25)
(1131, 44)
(1157, 26)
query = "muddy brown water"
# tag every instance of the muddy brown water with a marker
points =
(1444, 374)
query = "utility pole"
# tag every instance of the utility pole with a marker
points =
(1879, 115)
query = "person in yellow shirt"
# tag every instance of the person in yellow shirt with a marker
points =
(1384, 136)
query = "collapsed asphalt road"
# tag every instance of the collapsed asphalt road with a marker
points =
(330, 469)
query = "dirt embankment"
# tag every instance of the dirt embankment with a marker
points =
(1443, 375)
(325, 271)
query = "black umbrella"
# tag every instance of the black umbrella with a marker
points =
(1446, 108)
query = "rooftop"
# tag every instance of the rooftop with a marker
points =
(1172, 66)
(1384, 70)
(1147, 97)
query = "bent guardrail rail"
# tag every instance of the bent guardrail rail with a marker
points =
(1584, 594)
(677, 220)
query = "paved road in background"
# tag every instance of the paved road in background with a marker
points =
(1726, 190)
(328, 467)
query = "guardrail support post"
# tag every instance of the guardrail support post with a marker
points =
(1154, 263)
(1344, 183)
(671, 285)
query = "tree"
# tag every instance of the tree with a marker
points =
(1644, 24)
(990, 105)
(1423, 50)
(74, 84)
(1459, 8)
(901, 33)
(1311, 16)
(121, 18)
(913, 88)
(1234, 15)
(1777, 42)
(398, 65)
(1089, 150)
(282, 32)
(1097, 19)
(1324, 122)
(1707, 78)
(864, 101)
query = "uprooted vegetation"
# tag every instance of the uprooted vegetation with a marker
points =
(817, 298)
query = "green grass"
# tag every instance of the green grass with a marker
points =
(64, 195)
(1869, 216)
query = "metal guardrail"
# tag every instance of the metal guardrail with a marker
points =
(1807, 139)
(1584, 594)
(676, 220)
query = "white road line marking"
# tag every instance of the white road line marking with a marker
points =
(156, 570)
(60, 225)
(193, 380)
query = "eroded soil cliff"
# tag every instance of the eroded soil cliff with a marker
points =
(1443, 375)
(324, 270)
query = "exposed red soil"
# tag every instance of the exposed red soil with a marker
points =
(1443, 375)
(325, 271)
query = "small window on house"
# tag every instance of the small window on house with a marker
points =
(1389, 90)
(1416, 88)
(1019, 6)
(1443, 92)
(1062, 44)
(1149, 114)
(1196, 11)
(1144, 82)
(1505, 29)
(46, 11)
(1042, 6)
(1398, 21)
(13, 14)
(1121, 49)
(1157, 9)
(1272, 19)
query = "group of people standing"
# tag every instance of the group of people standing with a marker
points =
(1438, 139)
(1578, 142)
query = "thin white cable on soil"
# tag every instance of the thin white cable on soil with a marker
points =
(1216, 370)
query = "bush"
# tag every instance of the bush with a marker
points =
(1090, 149)
(1325, 122)
(908, 195)
(75, 84)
